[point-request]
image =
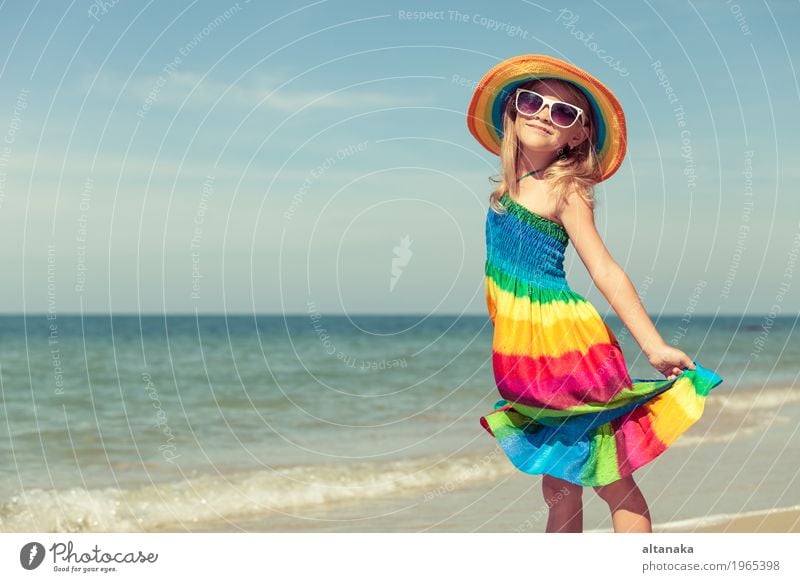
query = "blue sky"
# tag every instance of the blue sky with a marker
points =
(263, 157)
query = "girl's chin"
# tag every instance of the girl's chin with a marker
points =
(535, 138)
(538, 145)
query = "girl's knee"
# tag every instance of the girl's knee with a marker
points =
(555, 489)
(621, 490)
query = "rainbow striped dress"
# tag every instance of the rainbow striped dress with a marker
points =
(569, 407)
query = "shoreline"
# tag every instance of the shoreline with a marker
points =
(734, 478)
(507, 505)
(778, 520)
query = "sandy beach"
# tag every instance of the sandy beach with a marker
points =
(513, 503)
(732, 484)
(517, 512)
(732, 473)
(776, 521)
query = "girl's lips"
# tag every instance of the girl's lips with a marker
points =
(540, 128)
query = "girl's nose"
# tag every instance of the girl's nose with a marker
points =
(544, 114)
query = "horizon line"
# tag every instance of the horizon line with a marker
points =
(342, 314)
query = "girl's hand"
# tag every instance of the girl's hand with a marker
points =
(670, 361)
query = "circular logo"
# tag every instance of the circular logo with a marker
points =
(31, 555)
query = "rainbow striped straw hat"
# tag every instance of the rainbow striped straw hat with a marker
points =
(485, 114)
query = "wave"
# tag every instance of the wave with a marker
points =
(252, 493)
(755, 399)
(256, 493)
(690, 524)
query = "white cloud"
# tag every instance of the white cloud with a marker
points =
(206, 92)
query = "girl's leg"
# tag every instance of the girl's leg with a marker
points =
(629, 511)
(566, 505)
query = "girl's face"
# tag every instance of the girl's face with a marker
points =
(538, 133)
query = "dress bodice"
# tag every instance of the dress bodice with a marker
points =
(525, 246)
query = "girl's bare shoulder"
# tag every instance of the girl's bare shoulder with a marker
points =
(575, 211)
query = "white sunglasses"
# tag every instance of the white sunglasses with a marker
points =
(564, 115)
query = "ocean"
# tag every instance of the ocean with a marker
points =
(151, 423)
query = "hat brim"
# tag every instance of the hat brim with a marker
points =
(485, 112)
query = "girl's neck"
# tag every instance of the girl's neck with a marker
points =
(534, 164)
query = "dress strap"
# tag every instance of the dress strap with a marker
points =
(526, 175)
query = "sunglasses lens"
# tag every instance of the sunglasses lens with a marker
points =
(563, 115)
(529, 103)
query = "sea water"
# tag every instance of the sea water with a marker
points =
(127, 423)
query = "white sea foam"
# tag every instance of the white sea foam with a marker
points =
(242, 494)
(254, 493)
(690, 440)
(743, 413)
(708, 520)
(754, 399)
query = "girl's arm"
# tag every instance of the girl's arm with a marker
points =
(616, 287)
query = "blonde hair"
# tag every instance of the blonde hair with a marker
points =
(576, 169)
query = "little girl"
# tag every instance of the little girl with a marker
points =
(570, 410)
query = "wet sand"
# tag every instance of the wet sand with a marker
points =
(705, 484)
(774, 521)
